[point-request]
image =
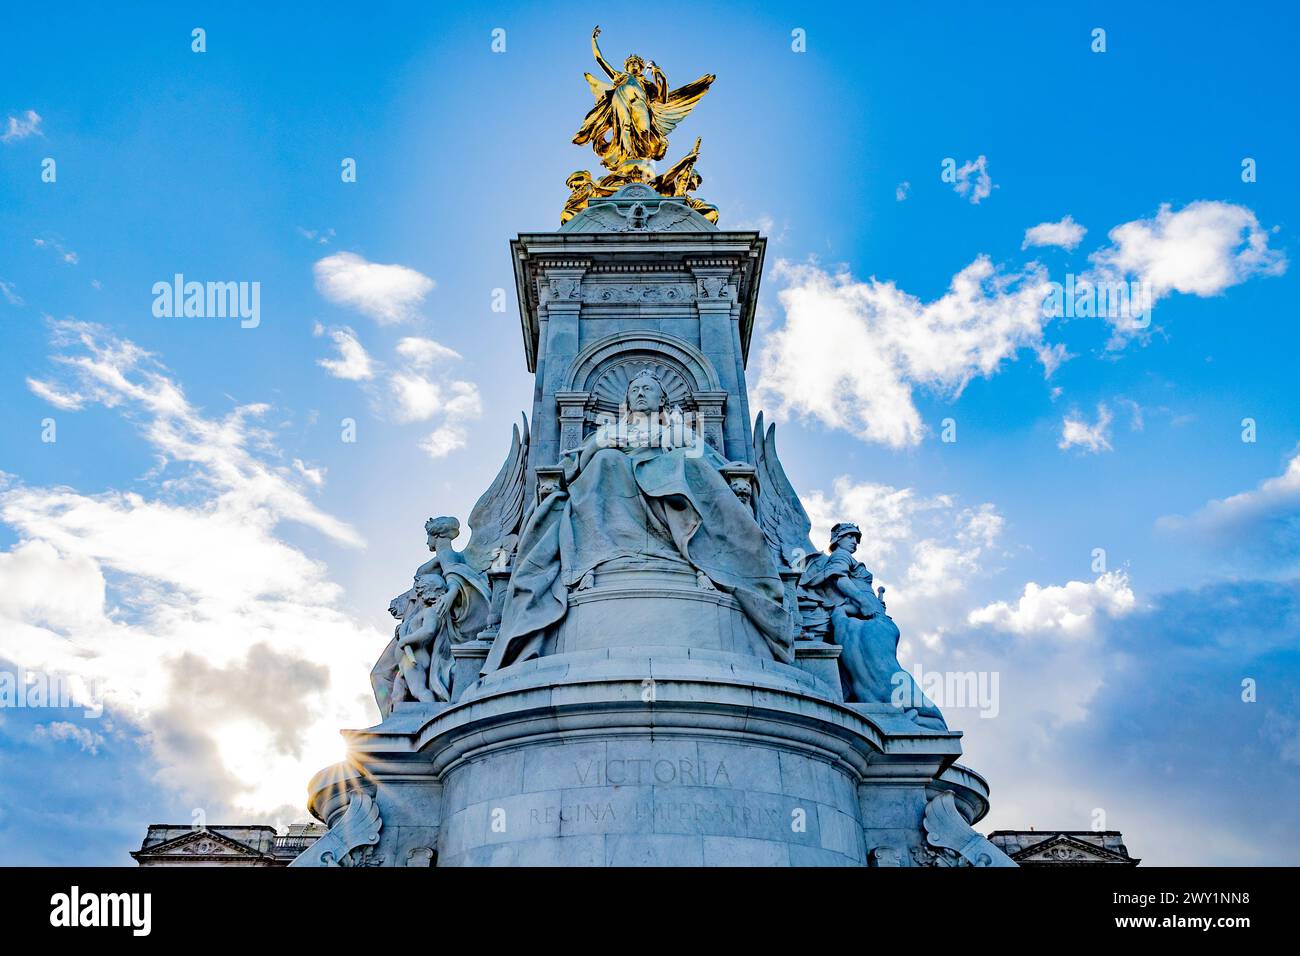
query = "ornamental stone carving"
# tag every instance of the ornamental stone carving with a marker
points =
(599, 293)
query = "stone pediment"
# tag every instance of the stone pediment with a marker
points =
(201, 845)
(638, 208)
(1068, 850)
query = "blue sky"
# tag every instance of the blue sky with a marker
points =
(200, 540)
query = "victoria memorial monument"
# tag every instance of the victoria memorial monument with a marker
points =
(639, 658)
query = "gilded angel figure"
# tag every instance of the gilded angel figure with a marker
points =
(635, 113)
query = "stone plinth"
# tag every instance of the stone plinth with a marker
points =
(633, 606)
(661, 755)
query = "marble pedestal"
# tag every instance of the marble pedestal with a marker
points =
(654, 605)
(658, 755)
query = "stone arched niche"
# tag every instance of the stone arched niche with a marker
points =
(596, 383)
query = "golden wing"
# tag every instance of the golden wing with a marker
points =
(599, 88)
(599, 118)
(679, 103)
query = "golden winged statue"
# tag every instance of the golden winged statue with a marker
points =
(634, 113)
(628, 129)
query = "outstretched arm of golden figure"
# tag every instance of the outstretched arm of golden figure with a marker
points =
(661, 83)
(600, 60)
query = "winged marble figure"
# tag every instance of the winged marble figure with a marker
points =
(781, 514)
(451, 600)
(494, 532)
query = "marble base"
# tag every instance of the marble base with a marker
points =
(659, 756)
(634, 607)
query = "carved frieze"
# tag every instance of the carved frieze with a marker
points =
(638, 293)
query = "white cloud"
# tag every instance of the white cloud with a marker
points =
(1070, 610)
(224, 643)
(387, 293)
(29, 124)
(67, 401)
(1202, 249)
(443, 441)
(321, 237)
(38, 581)
(353, 363)
(419, 399)
(1114, 709)
(65, 254)
(83, 737)
(314, 475)
(423, 353)
(937, 557)
(118, 373)
(1265, 519)
(412, 392)
(1076, 432)
(1067, 234)
(7, 289)
(1136, 420)
(851, 353)
(900, 191)
(973, 180)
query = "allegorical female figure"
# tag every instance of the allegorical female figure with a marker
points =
(465, 600)
(448, 604)
(386, 678)
(416, 664)
(634, 113)
(640, 492)
(424, 644)
(837, 602)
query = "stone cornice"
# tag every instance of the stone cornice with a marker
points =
(683, 254)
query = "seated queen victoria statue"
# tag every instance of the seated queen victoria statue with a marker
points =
(642, 493)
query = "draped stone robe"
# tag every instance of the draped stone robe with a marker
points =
(645, 506)
(869, 667)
